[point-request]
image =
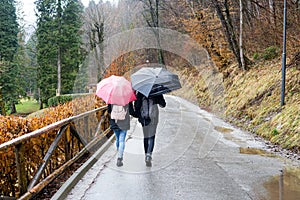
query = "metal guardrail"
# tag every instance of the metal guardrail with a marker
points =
(65, 129)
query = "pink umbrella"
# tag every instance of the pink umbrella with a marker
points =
(115, 90)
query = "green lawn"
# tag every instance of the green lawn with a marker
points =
(27, 106)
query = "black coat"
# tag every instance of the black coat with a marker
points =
(159, 99)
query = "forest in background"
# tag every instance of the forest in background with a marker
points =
(243, 39)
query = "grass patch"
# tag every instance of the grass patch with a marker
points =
(27, 106)
(251, 101)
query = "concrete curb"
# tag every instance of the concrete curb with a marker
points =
(65, 189)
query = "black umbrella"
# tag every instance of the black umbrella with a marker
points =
(151, 81)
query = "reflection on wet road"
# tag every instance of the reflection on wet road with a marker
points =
(196, 156)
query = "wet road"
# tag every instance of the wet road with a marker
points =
(196, 156)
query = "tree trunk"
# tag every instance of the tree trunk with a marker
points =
(95, 22)
(273, 20)
(13, 107)
(59, 10)
(257, 10)
(99, 26)
(272, 11)
(241, 36)
(154, 23)
(160, 52)
(41, 105)
(58, 72)
(229, 32)
(40, 99)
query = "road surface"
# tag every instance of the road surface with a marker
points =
(196, 156)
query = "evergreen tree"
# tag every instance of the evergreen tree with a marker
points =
(58, 46)
(70, 45)
(9, 28)
(46, 49)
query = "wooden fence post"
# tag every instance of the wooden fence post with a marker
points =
(67, 144)
(86, 129)
(21, 171)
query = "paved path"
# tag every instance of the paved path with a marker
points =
(197, 156)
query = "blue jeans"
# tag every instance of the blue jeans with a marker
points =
(149, 144)
(120, 141)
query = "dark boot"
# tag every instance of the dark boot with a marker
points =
(148, 160)
(119, 162)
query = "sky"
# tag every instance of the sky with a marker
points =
(28, 8)
(29, 17)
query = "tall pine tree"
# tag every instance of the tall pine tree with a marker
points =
(72, 54)
(46, 49)
(58, 45)
(9, 28)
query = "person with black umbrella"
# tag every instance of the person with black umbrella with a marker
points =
(151, 81)
(146, 109)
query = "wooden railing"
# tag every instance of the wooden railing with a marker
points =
(73, 137)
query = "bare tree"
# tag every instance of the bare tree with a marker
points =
(94, 20)
(241, 36)
(151, 15)
(228, 28)
(224, 14)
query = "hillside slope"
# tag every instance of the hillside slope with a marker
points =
(251, 100)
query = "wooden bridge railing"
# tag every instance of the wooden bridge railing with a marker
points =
(71, 138)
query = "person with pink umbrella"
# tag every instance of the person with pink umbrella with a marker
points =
(118, 94)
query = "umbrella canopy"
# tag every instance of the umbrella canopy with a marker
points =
(115, 90)
(151, 81)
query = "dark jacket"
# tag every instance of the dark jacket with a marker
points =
(159, 99)
(121, 124)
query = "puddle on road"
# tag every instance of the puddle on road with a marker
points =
(285, 186)
(226, 133)
(223, 129)
(255, 151)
